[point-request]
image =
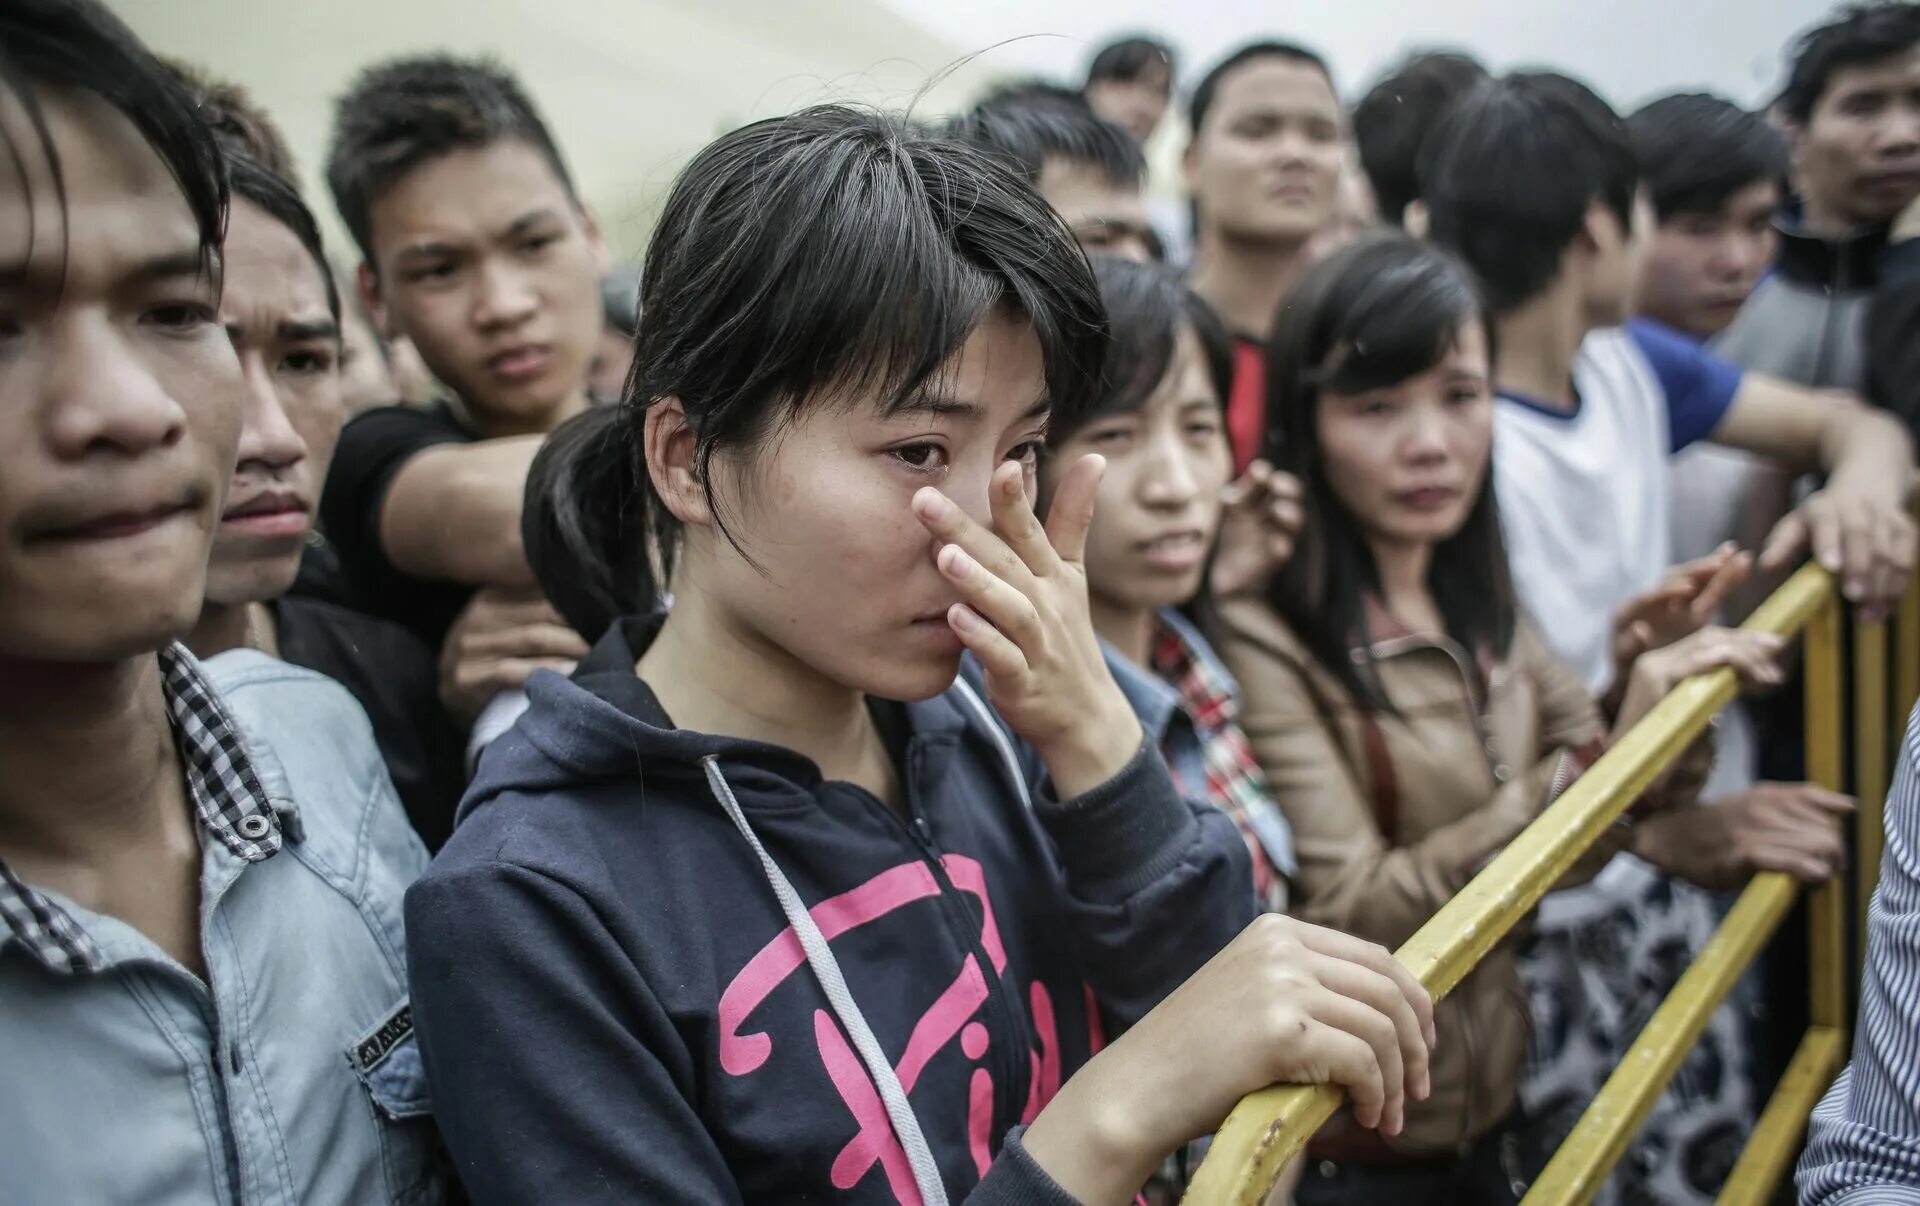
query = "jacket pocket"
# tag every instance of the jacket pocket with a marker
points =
(387, 1062)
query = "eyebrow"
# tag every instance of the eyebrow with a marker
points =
(166, 266)
(925, 402)
(302, 332)
(521, 224)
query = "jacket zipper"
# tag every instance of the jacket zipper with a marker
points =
(1009, 1050)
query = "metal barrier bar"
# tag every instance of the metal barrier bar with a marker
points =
(1776, 1137)
(1266, 1129)
(1826, 766)
(1870, 721)
(1587, 1156)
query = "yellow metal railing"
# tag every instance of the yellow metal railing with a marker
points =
(1267, 1129)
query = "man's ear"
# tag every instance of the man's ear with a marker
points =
(670, 462)
(370, 296)
(1600, 228)
(1416, 220)
(1188, 160)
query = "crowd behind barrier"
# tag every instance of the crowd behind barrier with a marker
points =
(948, 681)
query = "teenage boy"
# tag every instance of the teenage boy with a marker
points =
(202, 968)
(476, 247)
(1712, 172)
(1533, 180)
(1269, 139)
(1392, 121)
(1130, 83)
(1089, 169)
(283, 316)
(1851, 109)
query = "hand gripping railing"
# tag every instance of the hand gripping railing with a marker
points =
(1268, 1128)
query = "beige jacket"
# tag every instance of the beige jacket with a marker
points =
(1393, 814)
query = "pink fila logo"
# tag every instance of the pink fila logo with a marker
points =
(951, 1016)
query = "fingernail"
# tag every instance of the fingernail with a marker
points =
(962, 618)
(955, 561)
(931, 504)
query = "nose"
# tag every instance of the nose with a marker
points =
(104, 397)
(1424, 438)
(505, 297)
(1166, 478)
(269, 442)
(1903, 128)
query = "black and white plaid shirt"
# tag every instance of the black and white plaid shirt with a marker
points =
(228, 801)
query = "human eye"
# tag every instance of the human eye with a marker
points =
(921, 457)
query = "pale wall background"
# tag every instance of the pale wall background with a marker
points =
(631, 87)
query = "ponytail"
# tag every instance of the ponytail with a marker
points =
(588, 519)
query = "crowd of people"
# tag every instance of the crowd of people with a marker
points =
(474, 718)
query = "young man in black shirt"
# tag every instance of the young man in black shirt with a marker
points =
(477, 248)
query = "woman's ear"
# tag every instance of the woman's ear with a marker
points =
(670, 443)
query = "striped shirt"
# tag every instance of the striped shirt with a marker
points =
(1863, 1145)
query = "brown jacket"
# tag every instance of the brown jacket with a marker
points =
(1393, 814)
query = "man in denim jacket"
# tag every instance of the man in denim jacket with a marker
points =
(202, 970)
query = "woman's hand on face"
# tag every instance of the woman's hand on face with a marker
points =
(1260, 519)
(1285, 1002)
(1024, 614)
(1753, 656)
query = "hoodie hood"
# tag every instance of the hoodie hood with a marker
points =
(603, 723)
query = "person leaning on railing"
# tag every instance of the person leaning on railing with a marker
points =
(1410, 721)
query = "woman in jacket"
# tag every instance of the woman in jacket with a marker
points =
(1410, 722)
(763, 903)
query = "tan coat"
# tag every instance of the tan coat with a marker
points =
(1393, 814)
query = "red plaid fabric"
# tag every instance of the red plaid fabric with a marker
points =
(1235, 783)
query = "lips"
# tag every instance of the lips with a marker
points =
(520, 362)
(271, 513)
(118, 524)
(1175, 551)
(1427, 498)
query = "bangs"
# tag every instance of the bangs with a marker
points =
(1148, 309)
(847, 255)
(1400, 322)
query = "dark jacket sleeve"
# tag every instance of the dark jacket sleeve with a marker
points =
(1893, 335)
(556, 1075)
(1156, 884)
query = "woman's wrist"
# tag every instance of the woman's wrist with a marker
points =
(1094, 751)
(1092, 1140)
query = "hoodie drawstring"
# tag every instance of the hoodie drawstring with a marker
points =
(826, 969)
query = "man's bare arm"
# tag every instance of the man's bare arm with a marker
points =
(452, 513)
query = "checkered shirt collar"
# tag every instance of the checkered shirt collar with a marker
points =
(228, 800)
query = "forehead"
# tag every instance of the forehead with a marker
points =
(474, 192)
(1288, 87)
(1889, 74)
(270, 274)
(116, 204)
(1076, 184)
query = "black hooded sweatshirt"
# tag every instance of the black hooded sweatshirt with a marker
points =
(662, 966)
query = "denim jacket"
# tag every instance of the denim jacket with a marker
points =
(290, 1074)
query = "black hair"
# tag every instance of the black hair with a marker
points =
(1509, 174)
(1697, 150)
(1392, 121)
(833, 251)
(1374, 314)
(79, 44)
(275, 195)
(236, 118)
(401, 114)
(1148, 306)
(1030, 122)
(1127, 59)
(1858, 34)
(1209, 86)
